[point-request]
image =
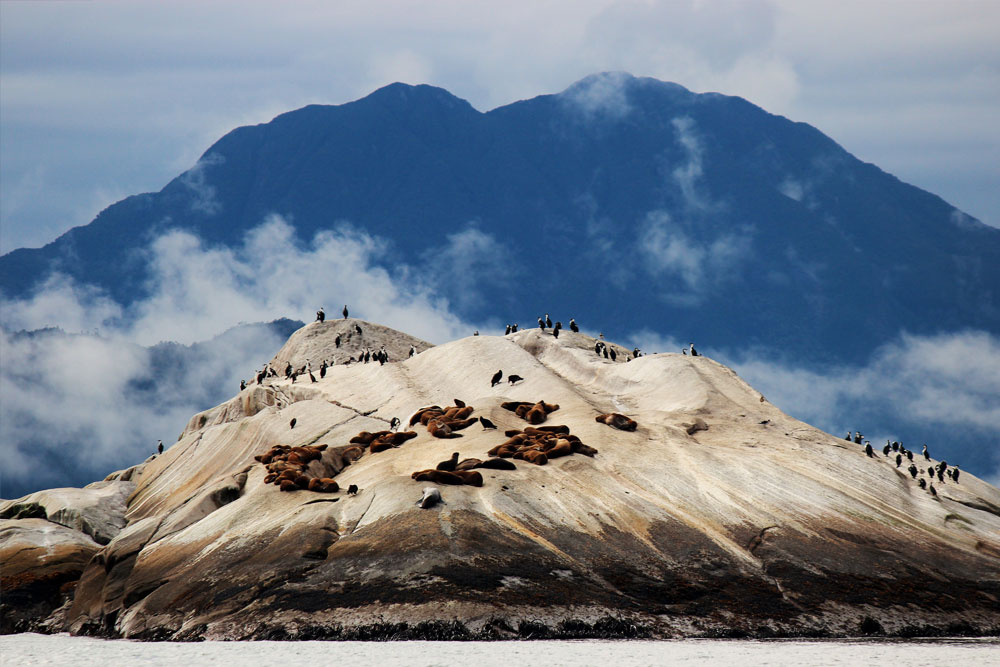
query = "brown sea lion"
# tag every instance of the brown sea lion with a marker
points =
(536, 457)
(470, 477)
(438, 477)
(419, 413)
(468, 464)
(617, 421)
(323, 485)
(450, 464)
(289, 485)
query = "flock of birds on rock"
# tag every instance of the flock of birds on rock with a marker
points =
(895, 451)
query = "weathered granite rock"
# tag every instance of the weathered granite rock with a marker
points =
(758, 525)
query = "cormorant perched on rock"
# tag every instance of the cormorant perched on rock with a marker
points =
(684, 351)
(541, 324)
(555, 333)
(513, 328)
(288, 370)
(486, 423)
(291, 424)
(449, 465)
(352, 490)
(548, 322)
(869, 452)
(909, 454)
(887, 449)
(940, 475)
(357, 328)
(514, 378)
(926, 454)
(895, 446)
(336, 341)
(322, 369)
(604, 348)
(694, 352)
(243, 384)
(922, 483)
(636, 353)
(858, 438)
(612, 353)
(933, 490)
(597, 348)
(573, 327)
(913, 471)
(507, 331)
(848, 436)
(899, 459)
(312, 378)
(496, 378)
(159, 447)
(345, 311)
(394, 424)
(320, 315)
(955, 474)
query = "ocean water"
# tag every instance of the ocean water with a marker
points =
(33, 649)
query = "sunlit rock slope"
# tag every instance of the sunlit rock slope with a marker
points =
(719, 514)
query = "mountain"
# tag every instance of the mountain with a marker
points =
(623, 201)
(715, 515)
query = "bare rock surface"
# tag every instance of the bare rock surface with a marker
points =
(751, 523)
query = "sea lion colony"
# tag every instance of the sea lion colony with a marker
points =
(289, 467)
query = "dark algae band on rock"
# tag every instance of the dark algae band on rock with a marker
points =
(748, 524)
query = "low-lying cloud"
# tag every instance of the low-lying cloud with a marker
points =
(98, 393)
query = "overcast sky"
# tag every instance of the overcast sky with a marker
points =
(100, 100)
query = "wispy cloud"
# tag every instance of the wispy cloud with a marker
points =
(204, 199)
(672, 250)
(603, 94)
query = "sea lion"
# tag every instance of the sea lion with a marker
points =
(431, 497)
(496, 464)
(468, 464)
(420, 413)
(438, 476)
(459, 403)
(617, 421)
(448, 465)
(536, 457)
(440, 429)
(323, 485)
(288, 485)
(470, 477)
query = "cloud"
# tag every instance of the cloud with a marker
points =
(469, 258)
(204, 200)
(97, 394)
(668, 249)
(943, 387)
(603, 94)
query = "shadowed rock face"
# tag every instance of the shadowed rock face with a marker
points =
(741, 527)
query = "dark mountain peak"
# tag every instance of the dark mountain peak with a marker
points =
(406, 95)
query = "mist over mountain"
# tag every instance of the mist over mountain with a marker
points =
(75, 406)
(628, 201)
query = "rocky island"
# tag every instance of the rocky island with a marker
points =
(657, 496)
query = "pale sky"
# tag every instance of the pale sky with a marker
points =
(100, 100)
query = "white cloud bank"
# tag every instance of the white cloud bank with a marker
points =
(100, 400)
